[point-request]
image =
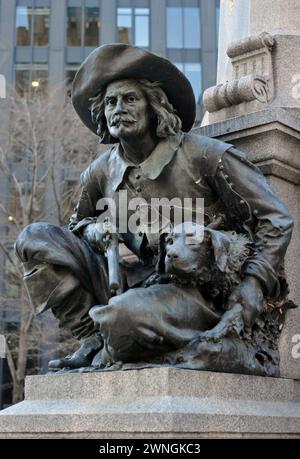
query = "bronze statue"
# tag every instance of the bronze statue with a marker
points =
(145, 107)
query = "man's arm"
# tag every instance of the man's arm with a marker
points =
(248, 197)
(83, 221)
(271, 221)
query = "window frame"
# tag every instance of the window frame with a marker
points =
(83, 7)
(134, 6)
(184, 70)
(34, 5)
(30, 67)
(182, 6)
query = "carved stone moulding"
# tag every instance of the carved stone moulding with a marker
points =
(252, 74)
(245, 89)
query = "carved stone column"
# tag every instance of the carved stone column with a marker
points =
(258, 110)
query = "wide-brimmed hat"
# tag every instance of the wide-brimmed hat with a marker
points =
(119, 61)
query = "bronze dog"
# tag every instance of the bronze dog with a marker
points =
(213, 260)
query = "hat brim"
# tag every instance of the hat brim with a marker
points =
(113, 62)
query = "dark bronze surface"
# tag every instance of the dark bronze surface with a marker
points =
(174, 306)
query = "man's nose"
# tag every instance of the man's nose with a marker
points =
(120, 106)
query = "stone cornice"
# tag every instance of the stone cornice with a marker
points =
(249, 121)
(274, 128)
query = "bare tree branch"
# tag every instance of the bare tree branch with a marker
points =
(11, 364)
(44, 150)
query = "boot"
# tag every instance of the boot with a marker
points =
(83, 357)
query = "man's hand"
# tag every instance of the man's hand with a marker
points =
(94, 237)
(250, 296)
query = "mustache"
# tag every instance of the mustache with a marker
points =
(126, 118)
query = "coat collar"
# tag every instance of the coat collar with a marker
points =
(152, 167)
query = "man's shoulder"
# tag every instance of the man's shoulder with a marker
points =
(96, 168)
(200, 144)
(202, 151)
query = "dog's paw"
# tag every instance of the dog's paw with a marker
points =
(215, 335)
(222, 330)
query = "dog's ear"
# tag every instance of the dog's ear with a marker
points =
(221, 245)
(160, 265)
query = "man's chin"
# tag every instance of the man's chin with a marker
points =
(119, 132)
(122, 132)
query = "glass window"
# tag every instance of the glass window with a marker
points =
(133, 26)
(12, 283)
(183, 27)
(22, 81)
(124, 23)
(24, 25)
(30, 78)
(217, 19)
(39, 79)
(83, 27)
(14, 206)
(174, 28)
(193, 72)
(41, 26)
(142, 27)
(92, 27)
(32, 26)
(191, 27)
(70, 74)
(71, 71)
(74, 26)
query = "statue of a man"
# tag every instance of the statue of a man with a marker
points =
(145, 106)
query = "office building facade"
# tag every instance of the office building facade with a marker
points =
(43, 42)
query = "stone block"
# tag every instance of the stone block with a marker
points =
(154, 403)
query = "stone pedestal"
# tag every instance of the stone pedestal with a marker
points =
(155, 403)
(258, 110)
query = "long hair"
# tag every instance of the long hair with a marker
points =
(166, 119)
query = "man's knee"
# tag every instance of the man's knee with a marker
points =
(36, 229)
(113, 315)
(31, 233)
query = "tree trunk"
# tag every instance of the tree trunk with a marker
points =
(18, 386)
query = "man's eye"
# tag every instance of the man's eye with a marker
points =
(111, 102)
(131, 99)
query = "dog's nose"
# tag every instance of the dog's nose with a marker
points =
(172, 256)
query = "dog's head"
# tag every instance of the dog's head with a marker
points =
(192, 250)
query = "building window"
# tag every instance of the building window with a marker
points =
(193, 72)
(183, 27)
(83, 27)
(22, 80)
(74, 26)
(32, 25)
(217, 18)
(41, 26)
(12, 281)
(91, 27)
(71, 71)
(24, 25)
(133, 26)
(31, 78)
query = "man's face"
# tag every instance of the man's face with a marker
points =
(127, 110)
